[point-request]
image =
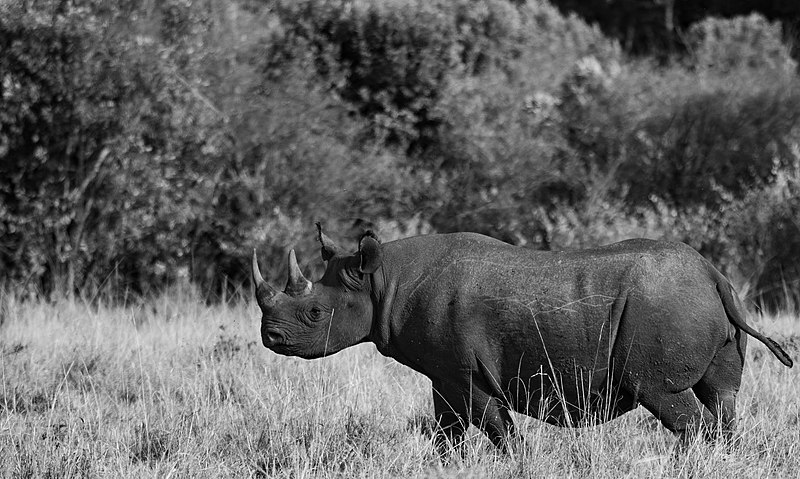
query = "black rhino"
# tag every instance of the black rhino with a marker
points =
(567, 337)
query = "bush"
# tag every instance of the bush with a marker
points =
(73, 93)
(497, 160)
(684, 135)
(732, 120)
(764, 231)
(727, 45)
(125, 167)
(389, 59)
(394, 60)
(712, 144)
(145, 146)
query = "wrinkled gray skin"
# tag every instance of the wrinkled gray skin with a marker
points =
(568, 337)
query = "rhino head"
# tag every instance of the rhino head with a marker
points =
(312, 320)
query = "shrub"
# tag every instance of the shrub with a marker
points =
(123, 164)
(389, 59)
(72, 93)
(142, 146)
(764, 231)
(727, 45)
(711, 144)
(498, 162)
(687, 137)
(393, 60)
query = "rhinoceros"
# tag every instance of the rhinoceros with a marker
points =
(570, 337)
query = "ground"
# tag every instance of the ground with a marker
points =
(177, 388)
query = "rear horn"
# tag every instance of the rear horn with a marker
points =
(329, 248)
(297, 283)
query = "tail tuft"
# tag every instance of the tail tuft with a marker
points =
(780, 353)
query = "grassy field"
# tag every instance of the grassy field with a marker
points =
(179, 389)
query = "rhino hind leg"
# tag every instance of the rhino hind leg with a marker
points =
(679, 412)
(718, 387)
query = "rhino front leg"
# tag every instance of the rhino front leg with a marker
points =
(451, 417)
(454, 403)
(489, 414)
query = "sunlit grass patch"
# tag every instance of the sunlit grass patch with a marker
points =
(96, 391)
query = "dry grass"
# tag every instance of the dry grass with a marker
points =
(180, 389)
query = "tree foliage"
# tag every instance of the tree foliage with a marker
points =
(143, 145)
(659, 26)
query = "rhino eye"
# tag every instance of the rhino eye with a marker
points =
(315, 312)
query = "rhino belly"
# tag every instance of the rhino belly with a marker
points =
(555, 361)
(568, 400)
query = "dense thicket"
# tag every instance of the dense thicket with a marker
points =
(657, 26)
(148, 143)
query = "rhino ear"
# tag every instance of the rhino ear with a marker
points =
(369, 253)
(329, 248)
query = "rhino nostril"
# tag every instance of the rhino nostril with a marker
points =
(271, 338)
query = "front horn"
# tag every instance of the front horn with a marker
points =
(297, 283)
(264, 292)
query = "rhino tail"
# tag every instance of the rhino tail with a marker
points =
(734, 316)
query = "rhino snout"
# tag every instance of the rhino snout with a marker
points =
(271, 338)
